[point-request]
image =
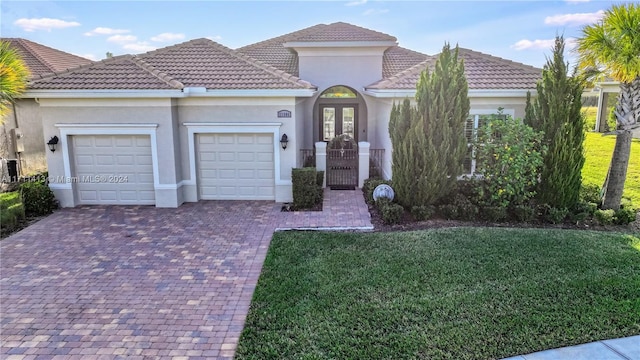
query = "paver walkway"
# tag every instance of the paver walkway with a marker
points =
(142, 282)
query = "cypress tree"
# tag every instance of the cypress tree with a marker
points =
(557, 112)
(428, 156)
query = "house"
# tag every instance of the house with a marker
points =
(198, 120)
(21, 136)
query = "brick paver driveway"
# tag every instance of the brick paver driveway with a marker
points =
(133, 281)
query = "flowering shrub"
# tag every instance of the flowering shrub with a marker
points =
(509, 157)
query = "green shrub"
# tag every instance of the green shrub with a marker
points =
(626, 214)
(466, 210)
(306, 191)
(38, 199)
(509, 156)
(370, 185)
(522, 213)
(605, 217)
(422, 212)
(582, 211)
(494, 213)
(591, 193)
(448, 211)
(552, 214)
(391, 212)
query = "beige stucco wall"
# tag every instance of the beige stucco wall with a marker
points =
(112, 111)
(27, 118)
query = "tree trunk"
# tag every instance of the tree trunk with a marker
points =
(614, 185)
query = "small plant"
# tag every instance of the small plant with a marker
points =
(448, 211)
(494, 213)
(11, 210)
(552, 214)
(591, 193)
(582, 211)
(523, 213)
(38, 199)
(466, 210)
(605, 217)
(391, 212)
(626, 214)
(423, 212)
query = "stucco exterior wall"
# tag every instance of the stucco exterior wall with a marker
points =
(111, 111)
(248, 111)
(28, 119)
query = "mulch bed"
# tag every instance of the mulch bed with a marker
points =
(407, 223)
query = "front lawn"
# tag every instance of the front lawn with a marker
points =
(598, 151)
(460, 293)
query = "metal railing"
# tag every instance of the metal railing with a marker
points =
(375, 162)
(308, 157)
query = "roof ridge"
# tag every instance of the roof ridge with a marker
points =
(499, 59)
(168, 79)
(26, 44)
(266, 67)
(363, 28)
(66, 71)
(408, 71)
(277, 40)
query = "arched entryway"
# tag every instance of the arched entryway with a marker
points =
(340, 110)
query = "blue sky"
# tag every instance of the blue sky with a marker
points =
(517, 30)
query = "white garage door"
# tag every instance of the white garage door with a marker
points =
(235, 166)
(113, 169)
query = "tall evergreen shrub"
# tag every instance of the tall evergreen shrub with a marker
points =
(428, 140)
(556, 111)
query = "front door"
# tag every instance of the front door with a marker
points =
(337, 120)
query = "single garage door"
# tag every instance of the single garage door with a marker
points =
(235, 166)
(113, 169)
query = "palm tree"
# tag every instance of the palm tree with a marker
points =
(612, 48)
(14, 76)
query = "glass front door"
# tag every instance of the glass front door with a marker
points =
(338, 120)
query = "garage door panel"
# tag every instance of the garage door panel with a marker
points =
(113, 169)
(235, 166)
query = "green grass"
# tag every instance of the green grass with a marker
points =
(598, 151)
(466, 293)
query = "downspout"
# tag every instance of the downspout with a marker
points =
(15, 119)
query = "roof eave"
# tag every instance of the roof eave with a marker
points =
(473, 93)
(338, 44)
(92, 94)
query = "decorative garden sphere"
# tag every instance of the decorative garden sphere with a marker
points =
(383, 191)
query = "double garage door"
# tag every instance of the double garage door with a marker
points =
(118, 169)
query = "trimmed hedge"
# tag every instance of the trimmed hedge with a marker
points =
(307, 187)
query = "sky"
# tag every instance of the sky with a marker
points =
(521, 31)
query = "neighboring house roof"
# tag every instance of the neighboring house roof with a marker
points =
(42, 59)
(483, 71)
(274, 53)
(195, 63)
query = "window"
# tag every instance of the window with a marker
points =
(471, 126)
(339, 92)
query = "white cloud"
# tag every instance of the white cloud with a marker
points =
(546, 44)
(356, 3)
(535, 44)
(105, 31)
(139, 47)
(122, 39)
(88, 56)
(375, 12)
(574, 19)
(44, 24)
(167, 37)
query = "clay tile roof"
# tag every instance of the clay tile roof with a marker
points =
(195, 63)
(42, 59)
(484, 72)
(124, 72)
(273, 52)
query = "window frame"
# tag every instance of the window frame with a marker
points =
(476, 114)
